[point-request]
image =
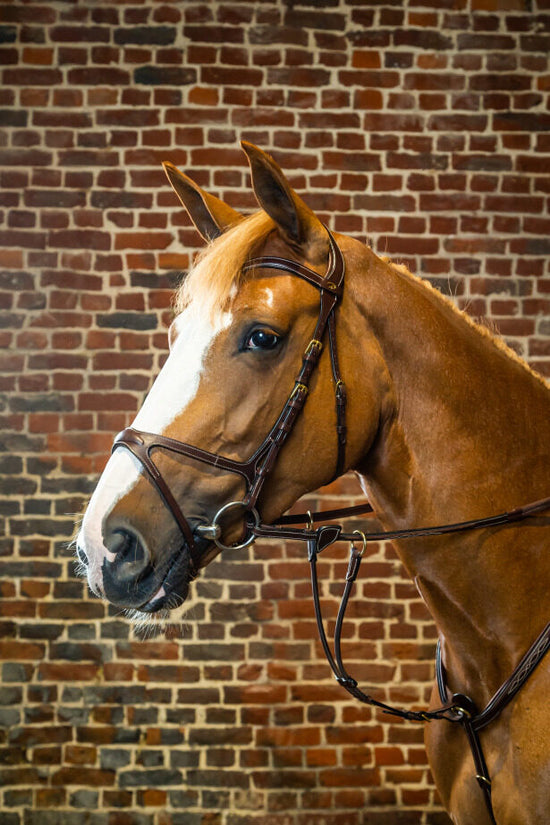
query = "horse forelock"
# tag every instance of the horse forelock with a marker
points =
(217, 271)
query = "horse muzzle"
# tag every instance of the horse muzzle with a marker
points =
(130, 575)
(132, 580)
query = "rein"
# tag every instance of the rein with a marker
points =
(459, 708)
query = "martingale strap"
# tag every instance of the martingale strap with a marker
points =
(456, 708)
(323, 538)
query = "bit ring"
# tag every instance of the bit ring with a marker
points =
(215, 525)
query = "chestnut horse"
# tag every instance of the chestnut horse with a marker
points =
(443, 424)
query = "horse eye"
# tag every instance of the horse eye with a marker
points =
(262, 339)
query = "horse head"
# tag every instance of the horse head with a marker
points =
(198, 466)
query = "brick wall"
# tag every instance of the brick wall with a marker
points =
(421, 126)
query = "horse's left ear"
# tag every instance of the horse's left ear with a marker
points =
(299, 225)
(210, 215)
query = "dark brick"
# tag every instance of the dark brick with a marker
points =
(103, 199)
(78, 652)
(128, 320)
(221, 736)
(11, 465)
(80, 239)
(8, 34)
(215, 34)
(149, 778)
(165, 76)
(17, 487)
(88, 157)
(499, 82)
(190, 818)
(234, 77)
(42, 630)
(485, 42)
(486, 163)
(376, 203)
(42, 402)
(536, 43)
(521, 121)
(217, 778)
(67, 119)
(145, 35)
(12, 117)
(115, 758)
(10, 696)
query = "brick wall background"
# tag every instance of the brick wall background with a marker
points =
(421, 125)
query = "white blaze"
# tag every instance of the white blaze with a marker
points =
(178, 381)
(174, 388)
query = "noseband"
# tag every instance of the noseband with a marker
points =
(256, 469)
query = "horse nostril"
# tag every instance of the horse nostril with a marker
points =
(129, 580)
(118, 541)
(132, 558)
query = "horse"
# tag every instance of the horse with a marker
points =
(440, 421)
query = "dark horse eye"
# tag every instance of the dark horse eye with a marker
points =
(262, 339)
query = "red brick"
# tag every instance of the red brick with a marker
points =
(83, 776)
(439, 153)
(32, 77)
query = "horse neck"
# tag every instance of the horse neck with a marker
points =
(466, 436)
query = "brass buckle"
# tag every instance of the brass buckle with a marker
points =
(314, 344)
(298, 389)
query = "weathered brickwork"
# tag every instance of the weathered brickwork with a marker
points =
(421, 126)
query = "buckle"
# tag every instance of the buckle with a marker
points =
(314, 346)
(299, 389)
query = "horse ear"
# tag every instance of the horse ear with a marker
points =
(299, 225)
(210, 215)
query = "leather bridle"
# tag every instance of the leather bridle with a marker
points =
(256, 469)
(458, 708)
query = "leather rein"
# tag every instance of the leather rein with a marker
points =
(456, 708)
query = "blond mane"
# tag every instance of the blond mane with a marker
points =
(217, 271)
